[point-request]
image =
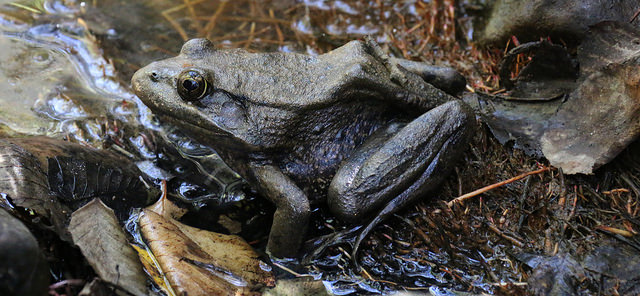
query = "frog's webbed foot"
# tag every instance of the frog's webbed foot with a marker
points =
(391, 170)
(315, 247)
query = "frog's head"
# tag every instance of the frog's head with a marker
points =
(183, 91)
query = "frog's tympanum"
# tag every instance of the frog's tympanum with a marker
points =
(352, 127)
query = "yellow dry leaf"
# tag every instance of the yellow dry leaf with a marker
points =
(199, 262)
(152, 270)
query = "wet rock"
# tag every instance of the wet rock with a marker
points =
(577, 125)
(23, 269)
(616, 268)
(612, 269)
(565, 19)
(553, 275)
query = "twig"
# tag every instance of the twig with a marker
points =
(499, 232)
(212, 21)
(493, 186)
(70, 282)
(613, 230)
(166, 14)
(290, 270)
(268, 20)
(635, 16)
(563, 190)
(252, 31)
(192, 15)
(573, 210)
(278, 31)
(176, 26)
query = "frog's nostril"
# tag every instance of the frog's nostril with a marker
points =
(153, 76)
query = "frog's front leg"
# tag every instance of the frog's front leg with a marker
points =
(291, 218)
(399, 164)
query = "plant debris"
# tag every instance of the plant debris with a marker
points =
(199, 262)
(95, 230)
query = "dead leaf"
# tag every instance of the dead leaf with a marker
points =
(199, 262)
(24, 183)
(602, 115)
(26, 178)
(152, 270)
(598, 117)
(95, 230)
(298, 287)
(165, 208)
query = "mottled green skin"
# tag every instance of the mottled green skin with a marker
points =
(349, 127)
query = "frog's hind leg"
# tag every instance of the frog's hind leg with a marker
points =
(444, 78)
(397, 166)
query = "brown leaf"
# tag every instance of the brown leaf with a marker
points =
(165, 208)
(199, 262)
(24, 181)
(598, 117)
(95, 230)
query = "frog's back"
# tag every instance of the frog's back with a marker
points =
(297, 81)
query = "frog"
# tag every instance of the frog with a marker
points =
(362, 132)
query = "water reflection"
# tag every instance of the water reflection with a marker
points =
(60, 81)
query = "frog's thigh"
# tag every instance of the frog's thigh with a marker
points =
(404, 164)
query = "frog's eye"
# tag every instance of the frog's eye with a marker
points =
(192, 86)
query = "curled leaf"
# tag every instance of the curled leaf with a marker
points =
(199, 262)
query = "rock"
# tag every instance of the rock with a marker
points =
(612, 269)
(23, 269)
(553, 275)
(565, 19)
(583, 124)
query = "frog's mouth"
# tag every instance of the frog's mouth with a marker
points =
(197, 131)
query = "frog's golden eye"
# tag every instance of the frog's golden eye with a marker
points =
(192, 86)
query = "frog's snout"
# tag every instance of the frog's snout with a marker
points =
(142, 79)
(153, 76)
